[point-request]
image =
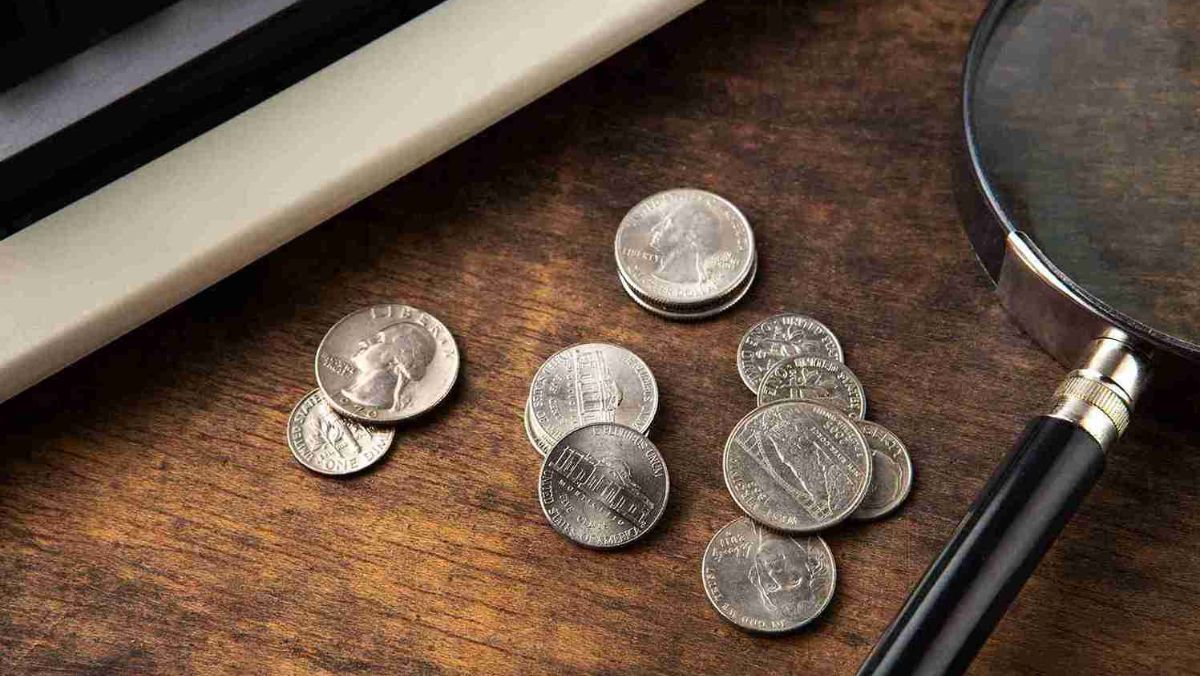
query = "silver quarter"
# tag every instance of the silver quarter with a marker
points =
(386, 363)
(766, 581)
(816, 379)
(591, 382)
(684, 247)
(797, 466)
(891, 472)
(541, 445)
(603, 485)
(702, 312)
(328, 443)
(780, 337)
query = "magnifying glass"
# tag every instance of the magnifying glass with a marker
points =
(1078, 182)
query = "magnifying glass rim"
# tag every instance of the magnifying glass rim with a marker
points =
(982, 231)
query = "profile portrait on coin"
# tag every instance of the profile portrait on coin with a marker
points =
(786, 577)
(388, 362)
(687, 239)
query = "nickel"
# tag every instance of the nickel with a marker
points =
(592, 382)
(603, 485)
(766, 581)
(891, 472)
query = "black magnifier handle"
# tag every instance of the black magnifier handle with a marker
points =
(1014, 520)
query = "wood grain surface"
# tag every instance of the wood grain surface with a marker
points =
(152, 518)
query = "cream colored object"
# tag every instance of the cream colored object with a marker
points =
(100, 267)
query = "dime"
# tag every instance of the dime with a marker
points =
(766, 581)
(891, 472)
(539, 444)
(684, 247)
(777, 338)
(328, 443)
(603, 485)
(816, 379)
(386, 363)
(797, 466)
(592, 382)
(701, 312)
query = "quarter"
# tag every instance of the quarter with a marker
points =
(684, 247)
(603, 485)
(386, 363)
(797, 466)
(891, 472)
(328, 443)
(766, 581)
(778, 338)
(816, 379)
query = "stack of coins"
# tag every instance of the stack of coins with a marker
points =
(801, 462)
(685, 254)
(603, 484)
(375, 368)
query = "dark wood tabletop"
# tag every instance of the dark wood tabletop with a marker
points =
(153, 519)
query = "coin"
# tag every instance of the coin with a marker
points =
(591, 382)
(700, 312)
(777, 338)
(797, 466)
(891, 472)
(386, 363)
(766, 581)
(539, 444)
(603, 485)
(816, 379)
(684, 247)
(328, 443)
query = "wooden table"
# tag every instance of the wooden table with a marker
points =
(152, 518)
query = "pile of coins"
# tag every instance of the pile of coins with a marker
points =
(603, 484)
(801, 462)
(376, 367)
(685, 254)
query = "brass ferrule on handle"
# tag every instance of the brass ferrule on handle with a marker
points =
(1100, 394)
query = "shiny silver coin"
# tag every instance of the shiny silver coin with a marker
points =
(700, 312)
(603, 485)
(328, 443)
(386, 363)
(777, 338)
(891, 472)
(766, 581)
(592, 382)
(684, 247)
(540, 444)
(816, 379)
(797, 466)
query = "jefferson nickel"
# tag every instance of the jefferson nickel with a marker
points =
(891, 472)
(603, 485)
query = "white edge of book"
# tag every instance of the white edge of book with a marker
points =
(104, 265)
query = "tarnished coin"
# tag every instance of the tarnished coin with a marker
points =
(603, 485)
(326, 442)
(684, 247)
(386, 363)
(797, 466)
(766, 581)
(816, 379)
(540, 444)
(592, 382)
(891, 472)
(699, 312)
(777, 338)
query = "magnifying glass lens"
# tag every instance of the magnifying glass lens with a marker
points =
(1087, 125)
